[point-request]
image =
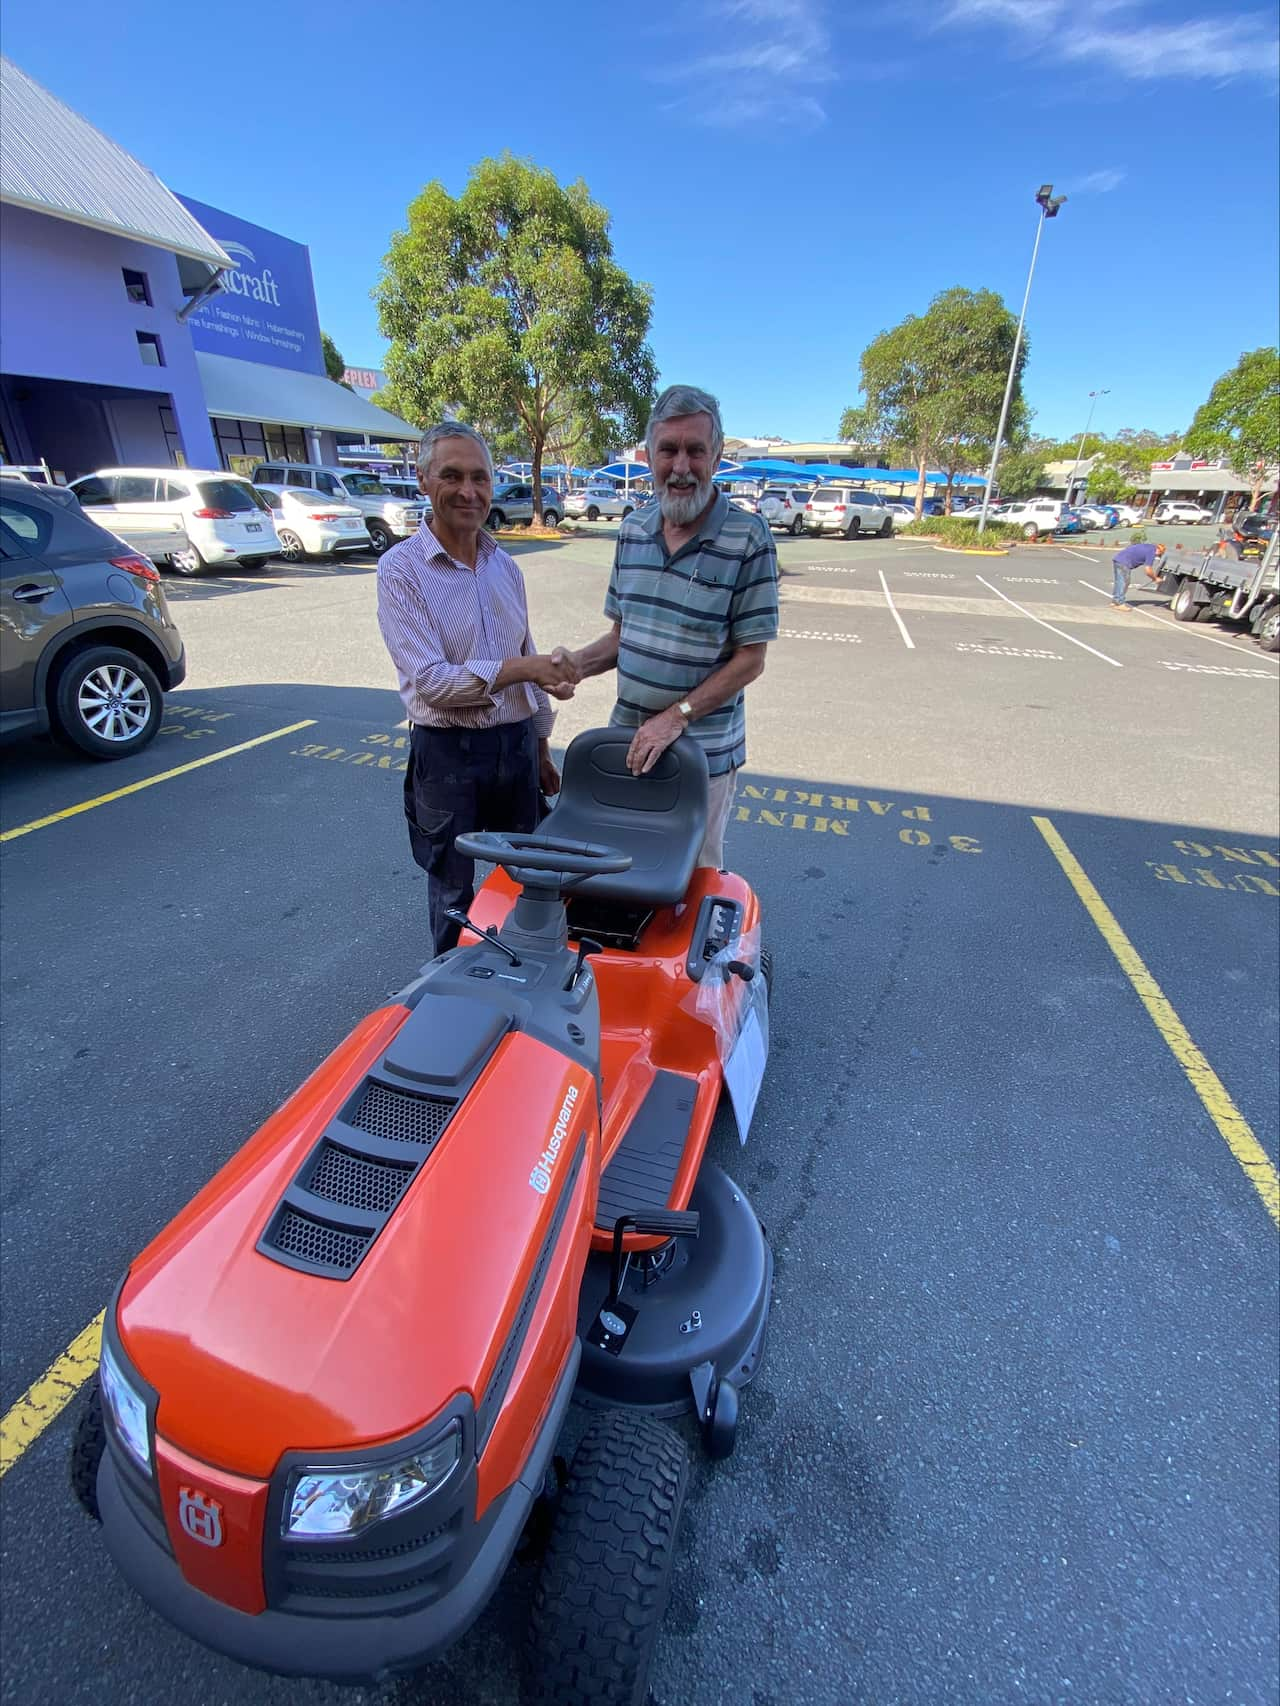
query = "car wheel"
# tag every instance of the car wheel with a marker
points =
(188, 562)
(1184, 605)
(886, 527)
(252, 562)
(797, 526)
(1269, 630)
(495, 519)
(550, 518)
(379, 538)
(593, 513)
(853, 529)
(606, 1575)
(1031, 531)
(290, 546)
(107, 702)
(628, 511)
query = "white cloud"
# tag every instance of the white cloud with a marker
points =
(1125, 39)
(767, 59)
(1099, 183)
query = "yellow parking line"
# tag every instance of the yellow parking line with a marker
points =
(1231, 1123)
(45, 1399)
(150, 781)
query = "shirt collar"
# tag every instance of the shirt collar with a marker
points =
(435, 552)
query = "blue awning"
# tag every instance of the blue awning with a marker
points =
(933, 477)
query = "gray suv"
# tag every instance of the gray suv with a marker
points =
(387, 516)
(88, 648)
(513, 501)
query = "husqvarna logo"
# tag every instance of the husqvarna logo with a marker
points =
(545, 1166)
(200, 1516)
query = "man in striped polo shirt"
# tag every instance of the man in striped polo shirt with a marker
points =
(453, 613)
(694, 603)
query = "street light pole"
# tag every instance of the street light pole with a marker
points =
(1093, 401)
(1049, 205)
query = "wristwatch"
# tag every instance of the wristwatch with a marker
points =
(686, 710)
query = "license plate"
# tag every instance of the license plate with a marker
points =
(351, 526)
(253, 527)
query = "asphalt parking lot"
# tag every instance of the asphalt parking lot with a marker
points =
(1015, 1435)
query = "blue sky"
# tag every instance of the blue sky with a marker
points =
(791, 176)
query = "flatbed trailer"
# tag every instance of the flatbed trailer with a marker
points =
(1230, 590)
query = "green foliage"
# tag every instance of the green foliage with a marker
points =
(952, 530)
(334, 365)
(1137, 536)
(1240, 420)
(1109, 484)
(1020, 473)
(934, 383)
(506, 303)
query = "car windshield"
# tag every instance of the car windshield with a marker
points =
(238, 496)
(364, 485)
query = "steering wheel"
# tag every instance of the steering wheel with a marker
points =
(542, 853)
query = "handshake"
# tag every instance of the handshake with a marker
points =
(558, 674)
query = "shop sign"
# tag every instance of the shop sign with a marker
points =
(266, 309)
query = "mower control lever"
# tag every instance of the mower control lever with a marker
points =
(490, 935)
(659, 1223)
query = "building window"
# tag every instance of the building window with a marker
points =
(149, 349)
(173, 442)
(136, 287)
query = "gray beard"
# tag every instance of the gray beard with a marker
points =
(682, 507)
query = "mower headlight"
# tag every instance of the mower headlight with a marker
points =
(328, 1501)
(126, 1408)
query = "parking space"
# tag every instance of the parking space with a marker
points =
(1016, 1417)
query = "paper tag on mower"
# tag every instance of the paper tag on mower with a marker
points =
(744, 1069)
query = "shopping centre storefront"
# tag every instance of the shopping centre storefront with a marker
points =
(133, 335)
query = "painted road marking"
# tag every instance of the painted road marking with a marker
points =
(927, 575)
(150, 781)
(1169, 622)
(814, 634)
(45, 1399)
(1028, 580)
(830, 568)
(1220, 669)
(1006, 651)
(902, 627)
(1231, 1123)
(1062, 635)
(1081, 554)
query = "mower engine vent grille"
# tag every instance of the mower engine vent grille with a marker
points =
(318, 1245)
(341, 1177)
(399, 1115)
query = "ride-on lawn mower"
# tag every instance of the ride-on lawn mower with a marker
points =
(330, 1390)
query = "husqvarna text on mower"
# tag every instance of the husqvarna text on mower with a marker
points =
(331, 1389)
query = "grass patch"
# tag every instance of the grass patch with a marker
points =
(950, 530)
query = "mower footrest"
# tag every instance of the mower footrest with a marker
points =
(644, 1167)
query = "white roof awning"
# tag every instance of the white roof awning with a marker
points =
(55, 162)
(247, 391)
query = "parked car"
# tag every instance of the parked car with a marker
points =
(1180, 511)
(88, 647)
(37, 474)
(221, 516)
(1129, 514)
(596, 501)
(747, 501)
(847, 510)
(1104, 516)
(901, 512)
(1034, 516)
(513, 501)
(1070, 521)
(308, 524)
(387, 516)
(783, 506)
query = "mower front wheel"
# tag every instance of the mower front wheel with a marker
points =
(606, 1575)
(87, 1446)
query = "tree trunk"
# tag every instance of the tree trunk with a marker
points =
(537, 447)
(946, 508)
(924, 468)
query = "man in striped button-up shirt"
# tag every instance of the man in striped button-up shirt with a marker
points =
(453, 613)
(694, 603)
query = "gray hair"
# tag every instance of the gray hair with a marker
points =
(448, 429)
(678, 400)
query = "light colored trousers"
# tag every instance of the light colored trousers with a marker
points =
(720, 794)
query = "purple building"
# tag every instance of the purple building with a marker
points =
(129, 335)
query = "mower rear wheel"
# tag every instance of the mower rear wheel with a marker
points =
(606, 1576)
(87, 1446)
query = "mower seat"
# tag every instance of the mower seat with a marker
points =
(658, 819)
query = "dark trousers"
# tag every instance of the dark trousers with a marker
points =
(460, 780)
